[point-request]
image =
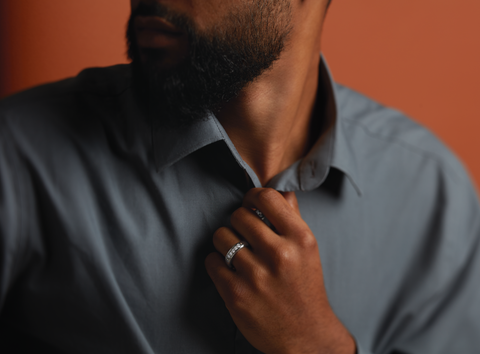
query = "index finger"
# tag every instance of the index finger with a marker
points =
(276, 209)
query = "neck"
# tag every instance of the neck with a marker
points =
(270, 122)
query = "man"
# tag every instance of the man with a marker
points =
(113, 183)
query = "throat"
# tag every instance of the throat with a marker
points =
(271, 149)
(275, 121)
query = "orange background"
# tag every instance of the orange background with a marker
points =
(421, 56)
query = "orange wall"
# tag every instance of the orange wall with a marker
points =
(421, 56)
(46, 40)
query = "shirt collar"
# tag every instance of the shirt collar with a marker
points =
(332, 149)
(343, 155)
(172, 145)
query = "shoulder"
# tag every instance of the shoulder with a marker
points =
(47, 113)
(372, 127)
(406, 170)
(47, 102)
(53, 132)
(41, 132)
(108, 81)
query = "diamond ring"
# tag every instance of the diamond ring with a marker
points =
(233, 251)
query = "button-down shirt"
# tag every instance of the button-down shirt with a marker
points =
(105, 223)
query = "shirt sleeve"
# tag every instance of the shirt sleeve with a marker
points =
(448, 321)
(439, 312)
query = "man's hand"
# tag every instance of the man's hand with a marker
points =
(276, 294)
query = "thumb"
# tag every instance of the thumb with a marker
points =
(291, 198)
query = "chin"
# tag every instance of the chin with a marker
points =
(160, 60)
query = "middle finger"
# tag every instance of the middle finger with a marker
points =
(249, 225)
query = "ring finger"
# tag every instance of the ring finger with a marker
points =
(225, 239)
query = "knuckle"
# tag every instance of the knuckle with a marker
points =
(284, 257)
(267, 195)
(306, 239)
(252, 193)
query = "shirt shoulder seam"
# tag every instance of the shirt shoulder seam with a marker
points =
(406, 145)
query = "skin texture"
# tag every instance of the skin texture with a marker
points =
(276, 295)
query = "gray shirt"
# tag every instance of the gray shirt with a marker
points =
(105, 224)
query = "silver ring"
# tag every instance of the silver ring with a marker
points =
(260, 214)
(233, 251)
(265, 220)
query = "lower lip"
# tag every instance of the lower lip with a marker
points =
(147, 38)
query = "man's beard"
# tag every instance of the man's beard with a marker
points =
(220, 62)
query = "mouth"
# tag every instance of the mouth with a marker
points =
(154, 32)
(156, 25)
(159, 40)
